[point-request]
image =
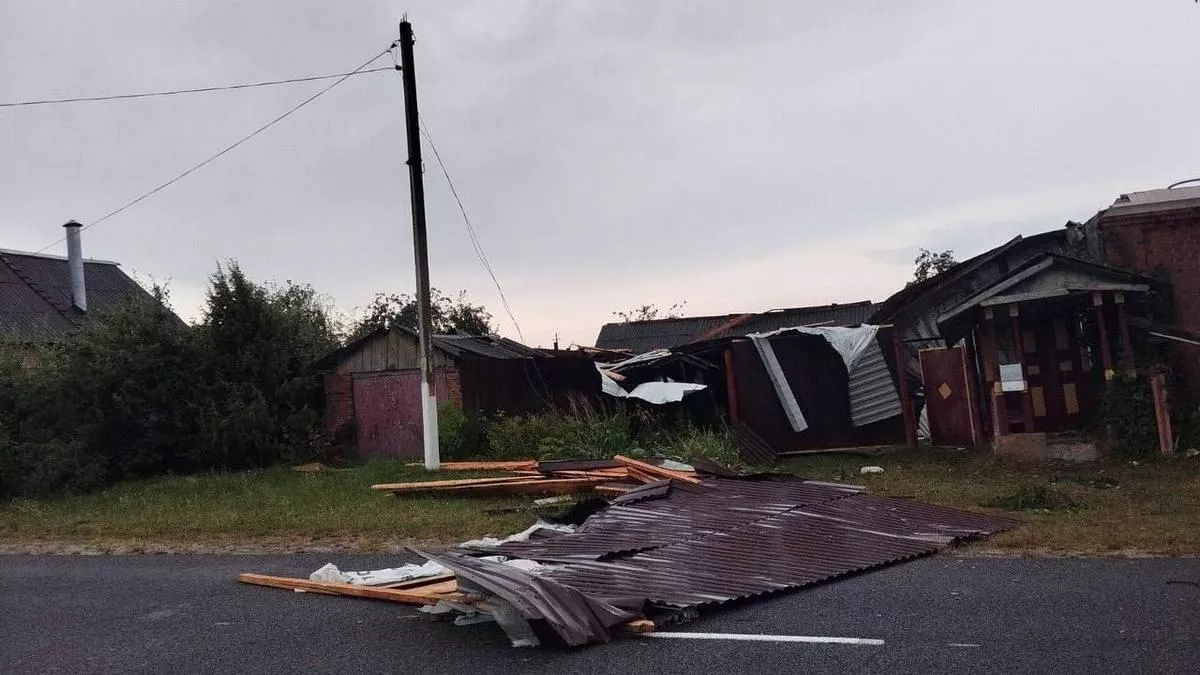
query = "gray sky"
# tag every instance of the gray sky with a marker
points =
(740, 156)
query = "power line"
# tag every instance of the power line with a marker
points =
(471, 231)
(198, 90)
(212, 158)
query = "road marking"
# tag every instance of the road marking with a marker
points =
(767, 638)
(962, 644)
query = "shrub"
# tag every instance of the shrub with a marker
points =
(1035, 498)
(1126, 411)
(461, 436)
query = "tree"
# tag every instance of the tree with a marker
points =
(930, 264)
(449, 314)
(651, 312)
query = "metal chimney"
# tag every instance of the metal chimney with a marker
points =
(75, 265)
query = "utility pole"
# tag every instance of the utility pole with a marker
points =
(416, 180)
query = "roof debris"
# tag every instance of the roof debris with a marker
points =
(661, 551)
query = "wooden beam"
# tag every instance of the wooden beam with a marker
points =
(641, 467)
(1106, 361)
(407, 597)
(731, 386)
(521, 486)
(445, 484)
(638, 626)
(1126, 342)
(1162, 415)
(516, 465)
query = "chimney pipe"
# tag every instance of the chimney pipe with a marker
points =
(75, 265)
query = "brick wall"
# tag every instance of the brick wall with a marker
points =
(453, 386)
(339, 402)
(1166, 244)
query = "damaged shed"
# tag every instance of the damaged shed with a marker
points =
(372, 385)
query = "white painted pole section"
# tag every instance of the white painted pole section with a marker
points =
(818, 639)
(429, 423)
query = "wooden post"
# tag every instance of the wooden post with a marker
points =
(991, 378)
(1162, 416)
(1019, 346)
(731, 385)
(1105, 353)
(1123, 326)
(906, 408)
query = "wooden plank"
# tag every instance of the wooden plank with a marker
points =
(865, 450)
(375, 593)
(612, 490)
(638, 626)
(419, 583)
(444, 484)
(514, 465)
(523, 486)
(658, 471)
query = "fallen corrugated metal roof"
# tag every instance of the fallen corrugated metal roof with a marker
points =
(644, 336)
(680, 547)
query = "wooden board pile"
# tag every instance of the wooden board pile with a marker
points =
(559, 477)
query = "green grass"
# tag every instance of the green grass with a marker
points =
(268, 506)
(1151, 508)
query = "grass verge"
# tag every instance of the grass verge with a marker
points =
(274, 509)
(1152, 508)
(1105, 508)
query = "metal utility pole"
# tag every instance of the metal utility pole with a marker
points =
(429, 417)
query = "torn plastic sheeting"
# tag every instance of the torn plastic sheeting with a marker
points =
(576, 618)
(330, 572)
(489, 543)
(664, 392)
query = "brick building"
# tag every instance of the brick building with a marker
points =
(1157, 232)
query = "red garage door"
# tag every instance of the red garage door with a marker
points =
(387, 412)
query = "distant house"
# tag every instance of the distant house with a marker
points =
(44, 298)
(644, 336)
(373, 384)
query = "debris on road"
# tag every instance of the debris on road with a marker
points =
(670, 544)
(870, 469)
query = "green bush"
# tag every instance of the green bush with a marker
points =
(461, 436)
(137, 392)
(1126, 412)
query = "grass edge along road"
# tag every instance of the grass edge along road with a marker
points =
(1151, 508)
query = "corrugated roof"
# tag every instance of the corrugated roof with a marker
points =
(644, 336)
(491, 347)
(35, 294)
(719, 541)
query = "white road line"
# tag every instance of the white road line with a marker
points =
(962, 644)
(767, 638)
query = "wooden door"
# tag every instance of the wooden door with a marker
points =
(949, 397)
(387, 413)
(1055, 374)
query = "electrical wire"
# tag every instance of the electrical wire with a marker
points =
(471, 230)
(213, 158)
(198, 90)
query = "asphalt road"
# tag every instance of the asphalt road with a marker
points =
(182, 614)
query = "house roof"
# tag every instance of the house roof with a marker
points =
(887, 310)
(1053, 275)
(644, 336)
(454, 346)
(1153, 201)
(35, 294)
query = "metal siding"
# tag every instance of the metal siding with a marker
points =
(873, 395)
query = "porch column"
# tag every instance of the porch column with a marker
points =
(1123, 326)
(906, 407)
(991, 379)
(1019, 346)
(1105, 353)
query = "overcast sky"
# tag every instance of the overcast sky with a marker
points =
(740, 156)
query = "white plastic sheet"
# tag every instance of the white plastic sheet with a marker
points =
(330, 572)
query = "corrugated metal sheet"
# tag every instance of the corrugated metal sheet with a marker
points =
(873, 395)
(728, 539)
(644, 336)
